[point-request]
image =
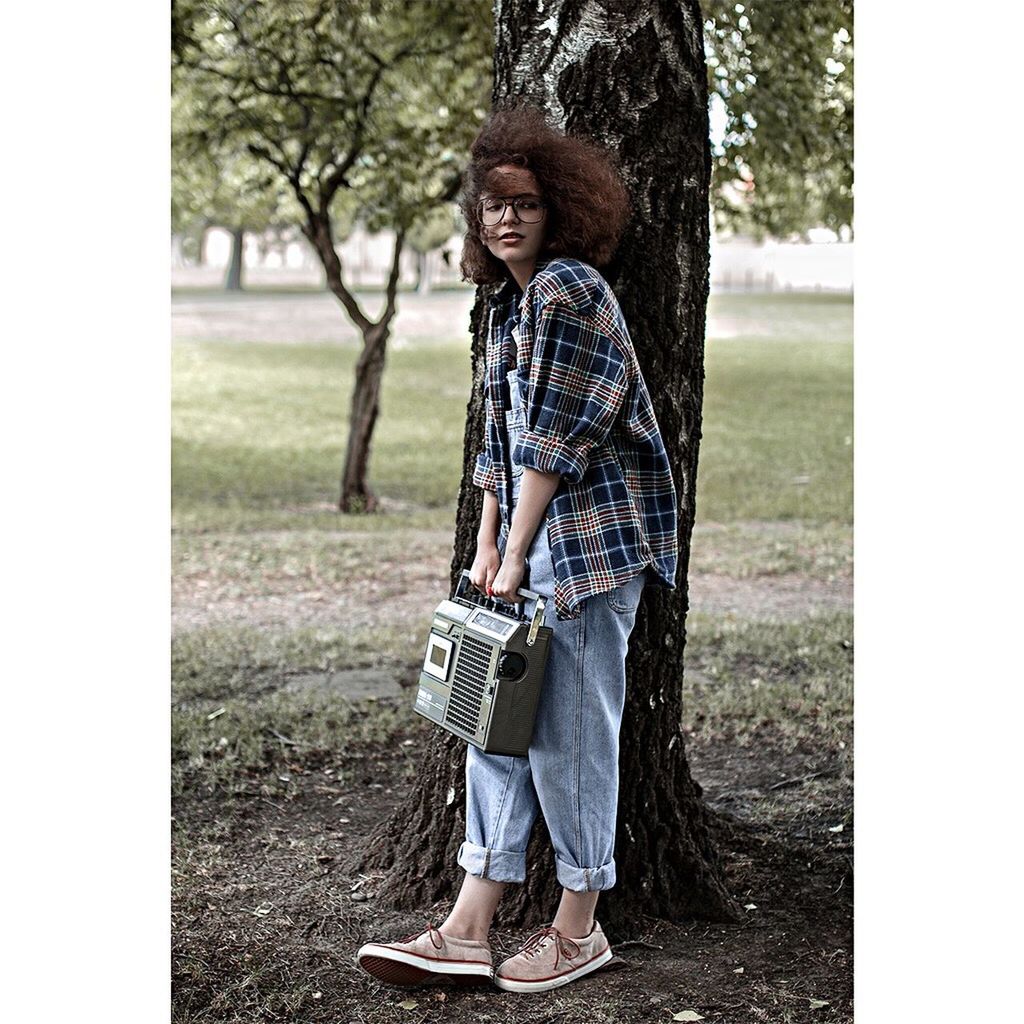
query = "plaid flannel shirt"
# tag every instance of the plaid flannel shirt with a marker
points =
(588, 417)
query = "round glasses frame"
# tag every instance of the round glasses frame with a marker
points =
(535, 210)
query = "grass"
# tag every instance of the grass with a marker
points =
(259, 432)
(778, 432)
(237, 717)
(752, 549)
(238, 720)
(789, 316)
(273, 766)
(274, 562)
(794, 678)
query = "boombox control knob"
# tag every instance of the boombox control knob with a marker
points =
(511, 665)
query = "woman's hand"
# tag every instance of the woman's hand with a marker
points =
(485, 565)
(510, 576)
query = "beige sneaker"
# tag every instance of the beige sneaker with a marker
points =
(427, 955)
(549, 959)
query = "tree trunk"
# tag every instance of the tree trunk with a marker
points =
(234, 278)
(632, 76)
(204, 237)
(356, 495)
(423, 262)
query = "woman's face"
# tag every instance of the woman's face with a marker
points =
(512, 239)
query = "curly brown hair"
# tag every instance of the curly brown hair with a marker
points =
(588, 204)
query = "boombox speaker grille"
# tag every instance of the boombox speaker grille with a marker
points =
(468, 682)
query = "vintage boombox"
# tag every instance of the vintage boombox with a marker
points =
(483, 669)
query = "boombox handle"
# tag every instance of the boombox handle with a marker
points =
(528, 595)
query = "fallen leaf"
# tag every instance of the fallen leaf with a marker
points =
(408, 1004)
(817, 1004)
(687, 1015)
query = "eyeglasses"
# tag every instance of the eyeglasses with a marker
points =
(528, 210)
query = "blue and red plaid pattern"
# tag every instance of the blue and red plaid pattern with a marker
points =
(589, 417)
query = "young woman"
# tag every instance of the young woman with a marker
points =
(578, 494)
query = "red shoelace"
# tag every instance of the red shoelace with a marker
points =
(537, 942)
(429, 930)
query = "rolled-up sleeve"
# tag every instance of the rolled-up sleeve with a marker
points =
(483, 473)
(578, 383)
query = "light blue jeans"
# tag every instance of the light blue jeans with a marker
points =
(571, 772)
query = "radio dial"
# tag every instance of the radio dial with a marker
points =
(511, 665)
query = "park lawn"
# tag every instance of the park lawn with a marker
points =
(777, 432)
(257, 449)
(787, 316)
(259, 433)
(277, 778)
(238, 722)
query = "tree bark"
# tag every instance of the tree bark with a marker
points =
(632, 76)
(356, 495)
(233, 283)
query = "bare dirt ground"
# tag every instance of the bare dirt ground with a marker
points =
(268, 918)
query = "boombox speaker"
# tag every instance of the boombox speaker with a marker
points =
(483, 669)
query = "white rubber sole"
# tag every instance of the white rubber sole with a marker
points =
(509, 985)
(400, 968)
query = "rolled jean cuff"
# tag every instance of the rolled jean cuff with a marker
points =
(497, 865)
(585, 879)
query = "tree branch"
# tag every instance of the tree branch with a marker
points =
(392, 285)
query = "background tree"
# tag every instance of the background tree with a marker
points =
(784, 72)
(218, 185)
(428, 235)
(359, 106)
(633, 77)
